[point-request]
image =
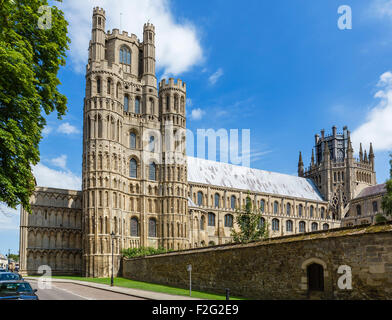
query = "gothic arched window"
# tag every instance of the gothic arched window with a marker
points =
(211, 219)
(275, 225)
(276, 205)
(152, 228)
(375, 207)
(125, 55)
(325, 226)
(152, 171)
(359, 210)
(126, 103)
(302, 226)
(288, 209)
(134, 227)
(261, 223)
(217, 200)
(311, 211)
(133, 168)
(300, 209)
(229, 221)
(262, 206)
(289, 226)
(109, 86)
(98, 85)
(314, 226)
(232, 202)
(132, 140)
(137, 105)
(152, 144)
(200, 198)
(322, 213)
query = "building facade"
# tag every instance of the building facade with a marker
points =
(337, 174)
(365, 207)
(140, 189)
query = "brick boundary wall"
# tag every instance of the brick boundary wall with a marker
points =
(277, 268)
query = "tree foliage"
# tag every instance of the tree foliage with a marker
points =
(30, 58)
(386, 203)
(142, 252)
(249, 223)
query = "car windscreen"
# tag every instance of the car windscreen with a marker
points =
(15, 288)
(9, 276)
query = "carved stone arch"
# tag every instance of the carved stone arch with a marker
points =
(314, 260)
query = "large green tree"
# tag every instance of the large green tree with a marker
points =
(249, 222)
(33, 45)
(387, 199)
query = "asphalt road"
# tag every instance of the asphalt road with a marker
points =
(70, 291)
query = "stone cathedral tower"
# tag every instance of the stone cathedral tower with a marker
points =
(134, 164)
(338, 175)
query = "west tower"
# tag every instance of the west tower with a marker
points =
(131, 186)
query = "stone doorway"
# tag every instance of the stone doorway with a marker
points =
(315, 274)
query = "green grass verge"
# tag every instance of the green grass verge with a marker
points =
(126, 283)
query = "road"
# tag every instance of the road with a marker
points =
(70, 291)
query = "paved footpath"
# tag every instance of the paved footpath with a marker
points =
(64, 289)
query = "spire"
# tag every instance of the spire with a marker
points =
(365, 158)
(360, 153)
(371, 153)
(300, 166)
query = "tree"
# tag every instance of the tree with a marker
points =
(14, 257)
(249, 220)
(386, 203)
(33, 44)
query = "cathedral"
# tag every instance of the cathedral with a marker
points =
(139, 189)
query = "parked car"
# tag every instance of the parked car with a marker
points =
(8, 276)
(3, 270)
(17, 290)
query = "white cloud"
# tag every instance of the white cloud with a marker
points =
(197, 114)
(381, 8)
(47, 177)
(67, 128)
(378, 125)
(9, 218)
(60, 162)
(215, 77)
(47, 130)
(177, 44)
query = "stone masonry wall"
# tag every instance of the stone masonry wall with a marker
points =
(277, 269)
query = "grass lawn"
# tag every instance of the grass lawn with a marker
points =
(122, 282)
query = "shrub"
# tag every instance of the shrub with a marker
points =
(379, 218)
(142, 252)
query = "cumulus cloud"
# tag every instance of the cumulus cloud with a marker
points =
(378, 125)
(60, 162)
(215, 76)
(9, 218)
(197, 114)
(47, 130)
(178, 46)
(381, 8)
(63, 179)
(67, 128)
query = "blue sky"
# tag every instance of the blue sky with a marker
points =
(280, 68)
